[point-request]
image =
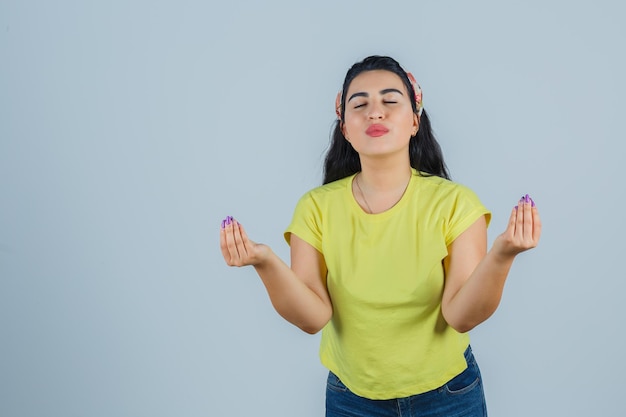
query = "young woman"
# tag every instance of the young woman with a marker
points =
(389, 258)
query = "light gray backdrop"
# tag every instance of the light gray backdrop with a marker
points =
(130, 129)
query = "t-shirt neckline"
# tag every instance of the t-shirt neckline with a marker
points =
(354, 205)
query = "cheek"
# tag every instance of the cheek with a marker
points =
(406, 124)
(349, 128)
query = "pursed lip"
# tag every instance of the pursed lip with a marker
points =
(376, 130)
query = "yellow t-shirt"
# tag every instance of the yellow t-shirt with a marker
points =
(387, 337)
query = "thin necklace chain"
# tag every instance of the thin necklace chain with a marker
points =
(363, 194)
(356, 180)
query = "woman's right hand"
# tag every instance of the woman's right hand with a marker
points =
(237, 248)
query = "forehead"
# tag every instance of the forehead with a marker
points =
(374, 81)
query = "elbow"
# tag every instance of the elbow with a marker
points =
(461, 323)
(315, 326)
(462, 327)
(311, 329)
(465, 324)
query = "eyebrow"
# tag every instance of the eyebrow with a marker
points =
(382, 93)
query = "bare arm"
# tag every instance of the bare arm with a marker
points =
(298, 293)
(474, 277)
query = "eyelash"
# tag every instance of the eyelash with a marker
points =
(386, 102)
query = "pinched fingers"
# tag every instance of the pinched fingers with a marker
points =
(240, 242)
(525, 233)
(524, 228)
(237, 248)
(231, 242)
(226, 240)
(523, 224)
(536, 225)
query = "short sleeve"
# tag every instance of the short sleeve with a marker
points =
(465, 209)
(306, 222)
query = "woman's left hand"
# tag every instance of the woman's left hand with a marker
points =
(523, 230)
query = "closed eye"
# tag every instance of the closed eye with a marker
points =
(384, 101)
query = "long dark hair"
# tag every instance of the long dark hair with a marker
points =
(424, 151)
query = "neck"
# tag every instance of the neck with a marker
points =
(378, 188)
(384, 178)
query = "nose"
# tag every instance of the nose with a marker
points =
(375, 112)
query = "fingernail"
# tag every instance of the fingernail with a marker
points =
(527, 198)
(532, 203)
(228, 220)
(223, 224)
(515, 207)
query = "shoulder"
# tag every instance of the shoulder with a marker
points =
(313, 208)
(327, 191)
(449, 199)
(441, 189)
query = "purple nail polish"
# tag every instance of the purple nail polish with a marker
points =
(532, 203)
(228, 220)
(527, 198)
(223, 224)
(515, 207)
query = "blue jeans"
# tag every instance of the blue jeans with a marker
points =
(462, 396)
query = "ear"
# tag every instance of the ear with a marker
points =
(416, 123)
